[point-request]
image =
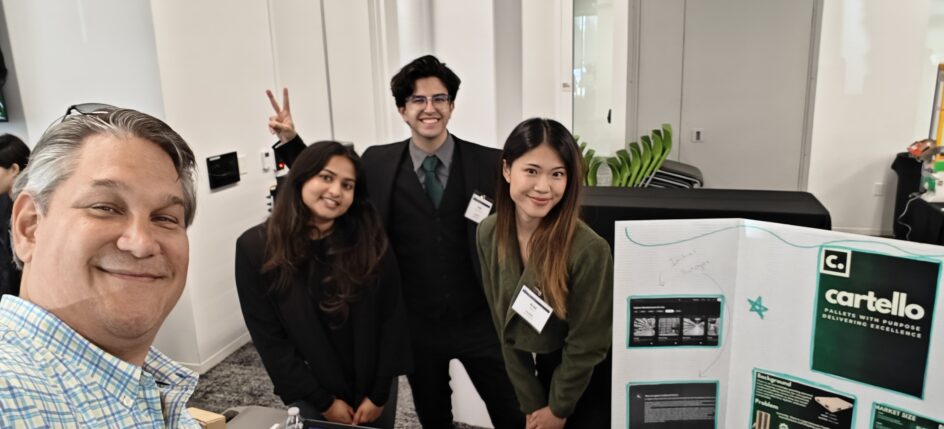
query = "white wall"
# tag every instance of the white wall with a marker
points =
(351, 73)
(935, 45)
(99, 51)
(415, 29)
(299, 63)
(209, 65)
(508, 67)
(73, 52)
(872, 64)
(386, 60)
(659, 95)
(547, 62)
(215, 64)
(92, 51)
(511, 55)
(464, 39)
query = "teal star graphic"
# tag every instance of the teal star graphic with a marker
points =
(757, 306)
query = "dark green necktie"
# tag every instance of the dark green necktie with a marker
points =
(434, 187)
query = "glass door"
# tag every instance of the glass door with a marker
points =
(594, 90)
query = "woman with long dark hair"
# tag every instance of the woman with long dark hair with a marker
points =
(320, 293)
(548, 279)
(14, 155)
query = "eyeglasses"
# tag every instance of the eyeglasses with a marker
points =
(82, 109)
(419, 101)
(87, 109)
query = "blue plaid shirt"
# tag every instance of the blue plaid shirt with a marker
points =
(52, 377)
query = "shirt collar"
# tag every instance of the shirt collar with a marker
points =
(444, 153)
(51, 338)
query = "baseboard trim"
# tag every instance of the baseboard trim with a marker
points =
(218, 357)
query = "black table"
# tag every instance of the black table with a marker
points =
(908, 171)
(602, 206)
(926, 221)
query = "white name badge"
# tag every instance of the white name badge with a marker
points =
(531, 308)
(479, 208)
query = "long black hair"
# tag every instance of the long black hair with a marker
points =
(355, 244)
(551, 241)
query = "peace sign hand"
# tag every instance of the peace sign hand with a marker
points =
(281, 123)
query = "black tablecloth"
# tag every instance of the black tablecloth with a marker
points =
(926, 221)
(604, 205)
(908, 171)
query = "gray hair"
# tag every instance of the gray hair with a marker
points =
(54, 158)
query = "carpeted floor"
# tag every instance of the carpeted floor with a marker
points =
(240, 380)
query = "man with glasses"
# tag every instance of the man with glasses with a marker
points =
(99, 226)
(431, 191)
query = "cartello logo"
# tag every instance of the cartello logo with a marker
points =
(898, 305)
(836, 262)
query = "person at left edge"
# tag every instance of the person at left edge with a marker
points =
(320, 293)
(99, 224)
(14, 155)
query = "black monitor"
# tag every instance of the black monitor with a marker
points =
(223, 170)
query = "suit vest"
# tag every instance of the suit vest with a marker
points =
(432, 245)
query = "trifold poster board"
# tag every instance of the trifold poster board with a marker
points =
(729, 323)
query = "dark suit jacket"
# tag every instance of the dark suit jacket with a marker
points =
(480, 168)
(293, 345)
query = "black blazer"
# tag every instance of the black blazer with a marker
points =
(291, 340)
(480, 168)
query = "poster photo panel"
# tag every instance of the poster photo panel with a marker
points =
(672, 404)
(675, 321)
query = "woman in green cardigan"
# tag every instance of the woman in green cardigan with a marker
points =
(548, 279)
